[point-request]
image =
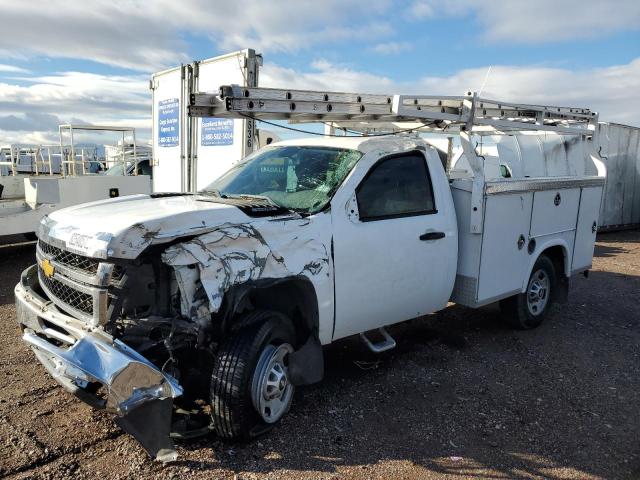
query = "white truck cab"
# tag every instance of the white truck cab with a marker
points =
(228, 294)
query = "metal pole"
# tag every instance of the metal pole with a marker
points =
(449, 153)
(63, 163)
(124, 162)
(329, 128)
(135, 153)
(37, 152)
(73, 151)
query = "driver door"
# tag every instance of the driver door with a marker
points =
(395, 244)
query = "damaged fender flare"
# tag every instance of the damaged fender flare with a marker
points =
(294, 297)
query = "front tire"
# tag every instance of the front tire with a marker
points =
(250, 388)
(527, 310)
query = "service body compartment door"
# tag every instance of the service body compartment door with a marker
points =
(504, 258)
(554, 211)
(221, 142)
(168, 130)
(586, 229)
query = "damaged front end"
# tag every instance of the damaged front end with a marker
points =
(138, 335)
(98, 368)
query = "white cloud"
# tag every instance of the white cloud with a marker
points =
(147, 35)
(391, 48)
(33, 111)
(545, 21)
(12, 69)
(324, 76)
(75, 92)
(114, 33)
(29, 137)
(420, 9)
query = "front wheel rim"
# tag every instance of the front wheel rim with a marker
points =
(271, 390)
(538, 292)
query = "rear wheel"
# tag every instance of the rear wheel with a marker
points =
(250, 387)
(528, 310)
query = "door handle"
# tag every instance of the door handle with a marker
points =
(432, 236)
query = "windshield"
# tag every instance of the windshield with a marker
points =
(301, 178)
(143, 168)
(115, 170)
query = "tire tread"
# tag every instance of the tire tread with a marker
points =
(233, 414)
(514, 309)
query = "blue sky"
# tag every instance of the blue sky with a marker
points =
(91, 61)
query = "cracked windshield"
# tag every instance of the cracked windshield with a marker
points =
(300, 178)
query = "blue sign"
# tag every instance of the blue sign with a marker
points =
(216, 131)
(168, 122)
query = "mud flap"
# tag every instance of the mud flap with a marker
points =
(150, 425)
(306, 365)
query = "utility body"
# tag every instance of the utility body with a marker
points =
(228, 294)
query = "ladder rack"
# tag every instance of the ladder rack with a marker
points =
(429, 113)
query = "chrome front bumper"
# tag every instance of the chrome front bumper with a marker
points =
(79, 356)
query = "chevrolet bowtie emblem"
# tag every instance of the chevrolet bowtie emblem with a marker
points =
(47, 268)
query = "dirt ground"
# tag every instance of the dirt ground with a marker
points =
(461, 397)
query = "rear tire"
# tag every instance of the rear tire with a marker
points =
(527, 310)
(250, 390)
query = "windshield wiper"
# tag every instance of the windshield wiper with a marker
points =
(269, 200)
(249, 196)
(213, 192)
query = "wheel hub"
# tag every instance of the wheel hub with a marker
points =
(538, 292)
(271, 391)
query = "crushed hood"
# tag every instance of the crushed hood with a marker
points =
(123, 227)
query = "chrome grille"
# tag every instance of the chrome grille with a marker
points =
(77, 283)
(80, 301)
(71, 260)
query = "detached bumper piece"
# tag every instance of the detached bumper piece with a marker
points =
(83, 358)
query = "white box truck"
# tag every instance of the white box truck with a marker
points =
(189, 153)
(226, 296)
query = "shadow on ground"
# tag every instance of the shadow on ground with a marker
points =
(14, 258)
(462, 394)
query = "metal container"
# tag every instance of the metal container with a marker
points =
(619, 147)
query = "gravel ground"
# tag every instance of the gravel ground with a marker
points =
(461, 397)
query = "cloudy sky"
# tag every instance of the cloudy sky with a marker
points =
(90, 61)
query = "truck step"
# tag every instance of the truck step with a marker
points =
(387, 344)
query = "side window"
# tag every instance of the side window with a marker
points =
(396, 187)
(144, 168)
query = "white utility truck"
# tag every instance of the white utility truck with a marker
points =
(63, 175)
(142, 303)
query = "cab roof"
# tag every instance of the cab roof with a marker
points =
(361, 143)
